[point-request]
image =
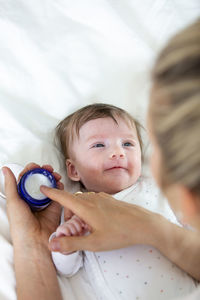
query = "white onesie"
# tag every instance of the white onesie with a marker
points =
(138, 272)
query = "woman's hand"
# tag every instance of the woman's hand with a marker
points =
(26, 226)
(112, 224)
(30, 233)
(32, 166)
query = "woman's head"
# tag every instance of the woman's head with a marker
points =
(174, 111)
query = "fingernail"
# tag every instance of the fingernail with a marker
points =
(55, 246)
(43, 188)
(4, 170)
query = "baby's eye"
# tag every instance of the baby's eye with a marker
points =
(127, 144)
(98, 145)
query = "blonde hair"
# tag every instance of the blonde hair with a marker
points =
(175, 109)
(70, 126)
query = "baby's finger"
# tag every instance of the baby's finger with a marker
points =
(63, 231)
(87, 228)
(77, 219)
(72, 229)
(77, 225)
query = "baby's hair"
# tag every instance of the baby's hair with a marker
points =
(70, 126)
(175, 109)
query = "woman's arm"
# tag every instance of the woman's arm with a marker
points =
(115, 224)
(180, 245)
(35, 273)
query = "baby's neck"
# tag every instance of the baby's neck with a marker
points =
(84, 190)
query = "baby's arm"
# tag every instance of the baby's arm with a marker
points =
(69, 263)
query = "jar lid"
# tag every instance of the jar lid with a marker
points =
(29, 186)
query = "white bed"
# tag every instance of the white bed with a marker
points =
(58, 55)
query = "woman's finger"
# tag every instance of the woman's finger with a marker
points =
(57, 176)
(67, 214)
(28, 167)
(60, 185)
(73, 203)
(89, 242)
(10, 183)
(15, 205)
(48, 168)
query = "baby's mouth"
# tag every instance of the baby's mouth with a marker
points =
(116, 168)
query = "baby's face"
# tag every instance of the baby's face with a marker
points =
(107, 156)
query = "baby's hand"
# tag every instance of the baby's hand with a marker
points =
(73, 227)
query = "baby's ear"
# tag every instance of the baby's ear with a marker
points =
(71, 171)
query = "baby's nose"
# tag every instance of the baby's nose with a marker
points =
(117, 154)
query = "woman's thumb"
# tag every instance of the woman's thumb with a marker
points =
(10, 182)
(73, 243)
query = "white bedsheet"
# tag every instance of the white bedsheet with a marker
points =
(58, 55)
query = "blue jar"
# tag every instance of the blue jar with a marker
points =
(29, 188)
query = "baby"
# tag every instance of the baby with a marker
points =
(103, 152)
(102, 146)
